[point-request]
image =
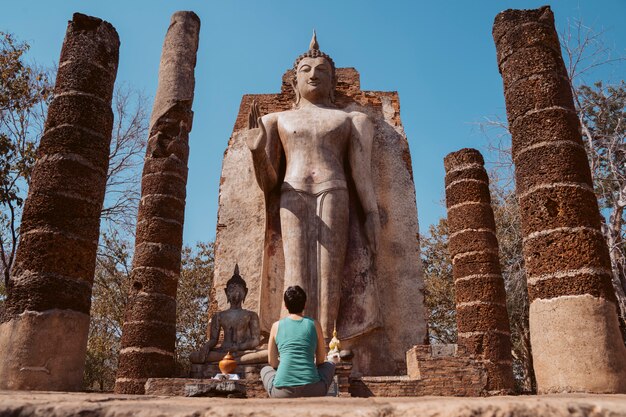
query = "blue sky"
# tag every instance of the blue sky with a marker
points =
(438, 55)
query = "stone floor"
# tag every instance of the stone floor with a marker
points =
(20, 403)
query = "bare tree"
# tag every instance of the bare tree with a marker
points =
(113, 265)
(25, 91)
(601, 110)
(585, 51)
(126, 158)
(509, 234)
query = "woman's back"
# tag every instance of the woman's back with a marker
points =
(297, 342)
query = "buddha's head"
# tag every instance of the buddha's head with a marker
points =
(236, 289)
(314, 76)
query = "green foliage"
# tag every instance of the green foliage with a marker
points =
(20, 87)
(108, 303)
(439, 284)
(110, 296)
(192, 302)
(602, 110)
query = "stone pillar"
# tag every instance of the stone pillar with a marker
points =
(43, 335)
(481, 314)
(149, 332)
(574, 330)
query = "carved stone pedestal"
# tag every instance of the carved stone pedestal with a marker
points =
(209, 370)
(189, 387)
(250, 376)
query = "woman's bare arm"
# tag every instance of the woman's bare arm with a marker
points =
(320, 353)
(272, 347)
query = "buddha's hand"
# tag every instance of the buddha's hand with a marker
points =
(372, 231)
(200, 356)
(257, 136)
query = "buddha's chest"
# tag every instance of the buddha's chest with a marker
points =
(234, 320)
(312, 129)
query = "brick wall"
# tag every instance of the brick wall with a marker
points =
(442, 370)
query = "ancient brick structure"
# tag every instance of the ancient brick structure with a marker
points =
(574, 330)
(481, 313)
(442, 370)
(149, 331)
(43, 335)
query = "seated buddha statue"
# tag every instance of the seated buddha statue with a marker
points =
(240, 328)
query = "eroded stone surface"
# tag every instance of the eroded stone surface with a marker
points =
(43, 350)
(573, 314)
(571, 325)
(149, 331)
(21, 404)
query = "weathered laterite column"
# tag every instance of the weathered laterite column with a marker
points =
(149, 332)
(43, 335)
(481, 314)
(574, 329)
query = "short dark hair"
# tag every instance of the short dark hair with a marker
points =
(295, 299)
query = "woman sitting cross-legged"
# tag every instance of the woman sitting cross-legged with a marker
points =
(299, 342)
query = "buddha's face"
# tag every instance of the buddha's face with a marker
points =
(236, 294)
(314, 79)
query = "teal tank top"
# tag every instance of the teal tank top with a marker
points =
(297, 342)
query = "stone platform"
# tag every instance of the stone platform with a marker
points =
(48, 404)
(250, 381)
(188, 387)
(179, 387)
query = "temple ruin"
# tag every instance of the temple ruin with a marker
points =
(354, 229)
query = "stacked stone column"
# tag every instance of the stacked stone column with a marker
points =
(574, 330)
(149, 332)
(43, 335)
(482, 319)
